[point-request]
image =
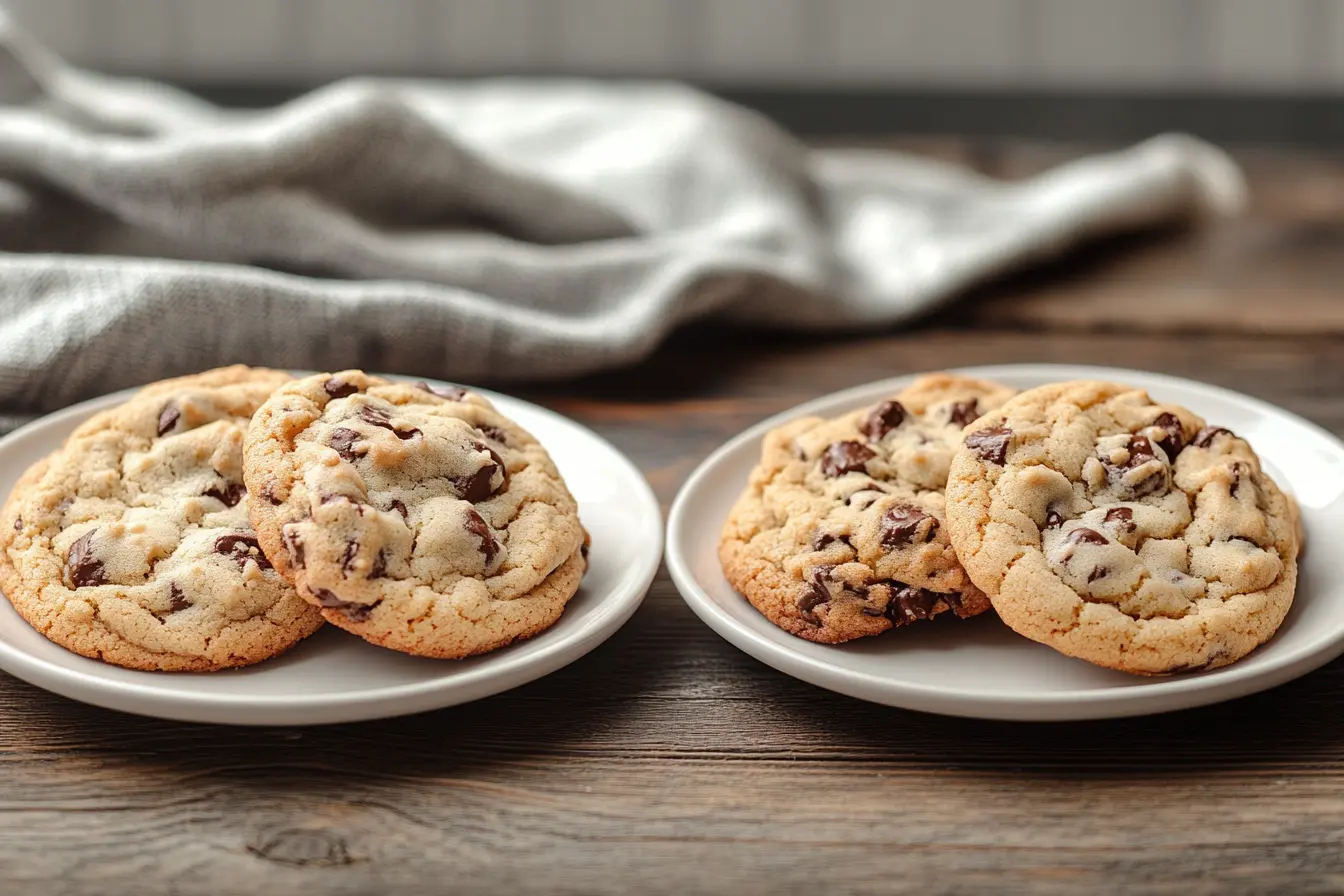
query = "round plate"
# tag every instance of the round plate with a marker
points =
(336, 677)
(979, 667)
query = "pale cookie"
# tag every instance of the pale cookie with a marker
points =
(1121, 531)
(132, 544)
(840, 533)
(421, 520)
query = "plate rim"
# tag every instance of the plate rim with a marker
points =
(1146, 698)
(162, 700)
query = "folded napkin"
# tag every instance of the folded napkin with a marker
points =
(481, 231)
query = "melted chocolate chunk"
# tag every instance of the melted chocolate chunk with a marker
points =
(343, 441)
(168, 418)
(882, 419)
(477, 526)
(1173, 440)
(84, 569)
(377, 417)
(229, 495)
(18, 524)
(1238, 471)
(177, 601)
(339, 388)
(909, 604)
(242, 548)
(452, 393)
(1084, 535)
(268, 492)
(499, 462)
(964, 413)
(823, 540)
(400, 508)
(816, 593)
(494, 433)
(379, 566)
(348, 558)
(991, 444)
(901, 523)
(1124, 516)
(871, 611)
(354, 612)
(1053, 519)
(1204, 438)
(1099, 572)
(295, 544)
(583, 551)
(1140, 451)
(840, 458)
(475, 487)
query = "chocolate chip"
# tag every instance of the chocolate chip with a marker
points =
(18, 524)
(1099, 572)
(583, 550)
(909, 604)
(964, 413)
(177, 601)
(493, 432)
(901, 523)
(268, 492)
(343, 440)
(399, 508)
(1172, 442)
(83, 568)
(871, 611)
(354, 612)
(991, 444)
(295, 544)
(452, 393)
(477, 526)
(882, 419)
(1205, 436)
(339, 388)
(499, 462)
(242, 548)
(823, 540)
(378, 417)
(1140, 451)
(840, 458)
(229, 495)
(1239, 470)
(1053, 519)
(168, 418)
(1084, 535)
(816, 593)
(476, 486)
(1122, 515)
(379, 566)
(348, 558)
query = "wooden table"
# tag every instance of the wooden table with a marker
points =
(668, 762)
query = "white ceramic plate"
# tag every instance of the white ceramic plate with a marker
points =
(981, 668)
(336, 677)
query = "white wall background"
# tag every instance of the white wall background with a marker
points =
(1269, 45)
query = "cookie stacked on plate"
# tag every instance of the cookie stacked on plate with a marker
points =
(1093, 519)
(216, 520)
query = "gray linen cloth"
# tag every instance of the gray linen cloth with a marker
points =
(482, 231)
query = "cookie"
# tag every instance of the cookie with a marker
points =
(132, 544)
(841, 532)
(420, 519)
(1122, 531)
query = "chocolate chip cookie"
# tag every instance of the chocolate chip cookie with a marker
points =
(1122, 531)
(132, 544)
(419, 518)
(841, 532)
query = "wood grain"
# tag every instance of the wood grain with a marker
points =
(668, 762)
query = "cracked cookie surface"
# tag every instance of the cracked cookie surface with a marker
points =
(841, 531)
(1122, 531)
(421, 519)
(132, 543)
